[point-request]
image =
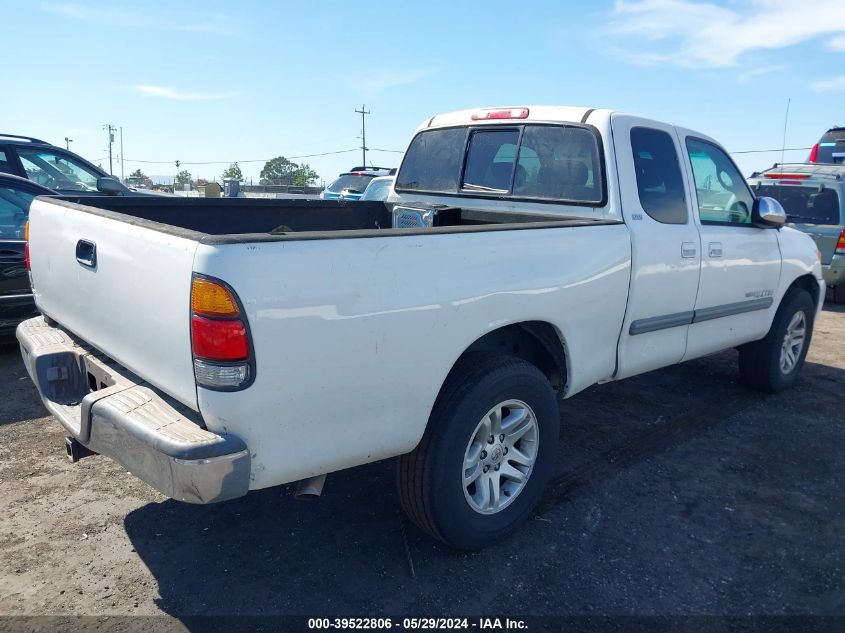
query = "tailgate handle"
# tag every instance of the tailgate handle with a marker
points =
(86, 253)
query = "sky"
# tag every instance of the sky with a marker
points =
(217, 82)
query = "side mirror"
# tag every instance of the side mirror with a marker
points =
(110, 186)
(767, 213)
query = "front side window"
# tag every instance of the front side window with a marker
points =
(723, 196)
(57, 171)
(659, 181)
(804, 205)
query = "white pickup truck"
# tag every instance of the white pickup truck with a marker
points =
(214, 347)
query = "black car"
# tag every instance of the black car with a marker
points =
(16, 302)
(53, 167)
(830, 148)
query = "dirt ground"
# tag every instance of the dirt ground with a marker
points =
(677, 492)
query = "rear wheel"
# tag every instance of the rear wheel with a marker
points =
(839, 293)
(773, 363)
(486, 455)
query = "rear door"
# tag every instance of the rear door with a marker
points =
(741, 263)
(122, 287)
(665, 245)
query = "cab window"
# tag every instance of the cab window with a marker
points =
(723, 197)
(659, 181)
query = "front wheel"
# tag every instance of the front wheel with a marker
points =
(486, 455)
(774, 362)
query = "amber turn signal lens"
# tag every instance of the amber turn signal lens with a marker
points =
(26, 231)
(212, 299)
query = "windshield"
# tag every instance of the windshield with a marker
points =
(57, 171)
(804, 205)
(378, 189)
(350, 181)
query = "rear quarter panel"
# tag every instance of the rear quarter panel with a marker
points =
(354, 337)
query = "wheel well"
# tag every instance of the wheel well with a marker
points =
(808, 283)
(534, 341)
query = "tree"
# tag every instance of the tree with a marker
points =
(278, 171)
(281, 171)
(233, 172)
(137, 174)
(305, 176)
(183, 177)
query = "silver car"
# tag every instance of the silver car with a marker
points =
(813, 196)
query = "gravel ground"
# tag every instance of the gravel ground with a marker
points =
(677, 492)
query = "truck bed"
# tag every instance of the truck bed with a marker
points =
(222, 220)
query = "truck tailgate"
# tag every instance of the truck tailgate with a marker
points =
(130, 300)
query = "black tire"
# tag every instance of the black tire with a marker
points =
(759, 362)
(429, 478)
(839, 293)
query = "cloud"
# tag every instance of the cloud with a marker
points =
(378, 80)
(745, 76)
(837, 44)
(220, 24)
(837, 84)
(694, 34)
(167, 92)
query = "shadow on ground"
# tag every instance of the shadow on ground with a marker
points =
(677, 492)
(23, 401)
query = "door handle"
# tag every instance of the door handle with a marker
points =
(715, 249)
(86, 253)
(688, 250)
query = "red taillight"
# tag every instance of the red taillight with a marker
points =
(781, 176)
(814, 154)
(840, 244)
(219, 339)
(512, 113)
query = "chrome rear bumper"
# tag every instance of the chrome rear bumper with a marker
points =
(115, 413)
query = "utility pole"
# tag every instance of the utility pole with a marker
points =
(68, 141)
(121, 154)
(363, 112)
(111, 129)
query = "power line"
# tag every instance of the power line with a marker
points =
(779, 149)
(255, 160)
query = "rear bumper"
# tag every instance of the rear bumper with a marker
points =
(115, 413)
(834, 272)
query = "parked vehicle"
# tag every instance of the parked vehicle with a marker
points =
(16, 301)
(379, 188)
(351, 185)
(830, 148)
(813, 196)
(214, 347)
(55, 168)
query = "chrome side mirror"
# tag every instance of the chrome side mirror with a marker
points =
(767, 213)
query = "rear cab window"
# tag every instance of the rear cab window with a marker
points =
(560, 163)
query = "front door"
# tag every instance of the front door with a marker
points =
(741, 263)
